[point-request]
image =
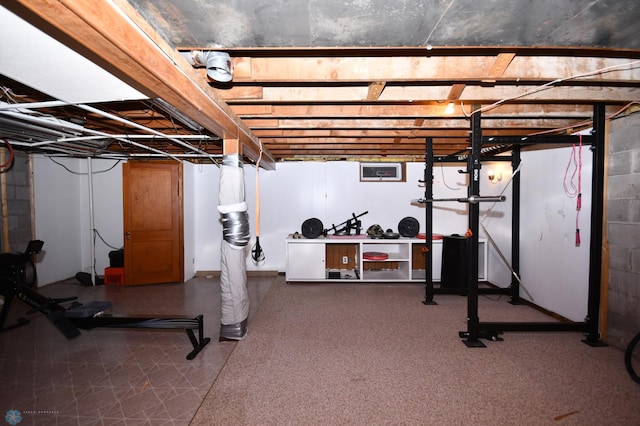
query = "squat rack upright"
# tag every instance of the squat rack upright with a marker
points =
(476, 329)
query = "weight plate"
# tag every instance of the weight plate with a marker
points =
(312, 228)
(374, 255)
(433, 236)
(390, 235)
(409, 227)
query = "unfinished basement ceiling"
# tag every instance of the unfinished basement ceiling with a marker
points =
(251, 24)
(354, 80)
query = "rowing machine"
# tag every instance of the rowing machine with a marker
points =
(17, 276)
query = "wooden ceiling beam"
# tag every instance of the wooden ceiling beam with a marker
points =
(375, 90)
(522, 111)
(362, 133)
(347, 145)
(503, 60)
(456, 91)
(326, 141)
(462, 123)
(466, 69)
(416, 124)
(294, 135)
(415, 144)
(473, 93)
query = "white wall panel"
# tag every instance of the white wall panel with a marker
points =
(330, 192)
(207, 226)
(554, 270)
(107, 212)
(188, 219)
(58, 219)
(495, 221)
(62, 215)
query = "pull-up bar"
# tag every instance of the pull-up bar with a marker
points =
(474, 199)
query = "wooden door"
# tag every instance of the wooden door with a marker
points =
(152, 202)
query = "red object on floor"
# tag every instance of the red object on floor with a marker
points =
(374, 255)
(114, 275)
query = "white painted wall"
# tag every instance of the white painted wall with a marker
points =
(330, 192)
(58, 219)
(553, 270)
(207, 227)
(62, 215)
(495, 221)
(189, 222)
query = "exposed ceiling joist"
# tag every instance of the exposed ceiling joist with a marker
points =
(416, 110)
(430, 93)
(482, 67)
(375, 90)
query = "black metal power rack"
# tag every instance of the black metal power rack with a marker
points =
(477, 329)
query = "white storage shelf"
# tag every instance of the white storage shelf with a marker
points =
(306, 260)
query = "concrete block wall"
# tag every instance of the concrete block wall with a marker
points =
(623, 230)
(18, 218)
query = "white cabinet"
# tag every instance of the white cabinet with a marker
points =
(305, 261)
(340, 259)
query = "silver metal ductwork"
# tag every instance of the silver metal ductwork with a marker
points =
(218, 64)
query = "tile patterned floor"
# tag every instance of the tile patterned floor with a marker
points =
(111, 376)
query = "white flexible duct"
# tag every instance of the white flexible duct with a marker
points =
(233, 274)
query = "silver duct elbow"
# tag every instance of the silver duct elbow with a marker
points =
(218, 64)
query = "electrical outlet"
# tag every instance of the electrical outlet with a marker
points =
(345, 260)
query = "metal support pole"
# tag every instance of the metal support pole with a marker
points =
(515, 226)
(92, 248)
(473, 168)
(597, 213)
(428, 194)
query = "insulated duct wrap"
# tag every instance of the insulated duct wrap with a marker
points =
(234, 302)
(235, 224)
(236, 233)
(232, 161)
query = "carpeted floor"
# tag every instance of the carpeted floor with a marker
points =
(374, 354)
